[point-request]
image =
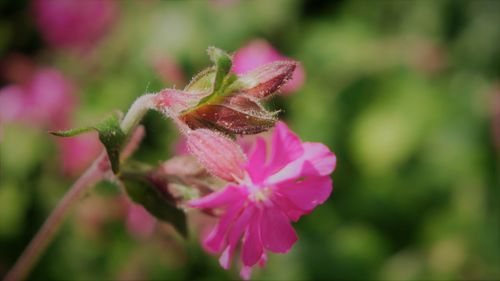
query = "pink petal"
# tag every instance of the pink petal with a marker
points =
(240, 225)
(317, 160)
(263, 259)
(321, 158)
(256, 161)
(215, 240)
(252, 245)
(226, 257)
(286, 147)
(234, 234)
(221, 198)
(308, 193)
(246, 272)
(276, 232)
(291, 210)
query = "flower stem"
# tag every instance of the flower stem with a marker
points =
(53, 222)
(96, 172)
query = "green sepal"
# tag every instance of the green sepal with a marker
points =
(72, 132)
(110, 135)
(153, 195)
(223, 63)
(203, 81)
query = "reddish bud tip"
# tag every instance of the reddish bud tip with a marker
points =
(267, 79)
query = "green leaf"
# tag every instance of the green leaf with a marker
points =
(110, 135)
(223, 63)
(152, 195)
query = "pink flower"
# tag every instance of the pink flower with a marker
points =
(45, 99)
(169, 71)
(259, 52)
(139, 222)
(77, 152)
(271, 189)
(74, 23)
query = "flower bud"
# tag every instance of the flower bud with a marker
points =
(218, 154)
(220, 100)
(268, 79)
(239, 114)
(172, 102)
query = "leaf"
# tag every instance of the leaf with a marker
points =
(110, 135)
(148, 192)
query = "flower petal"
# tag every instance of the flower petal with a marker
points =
(220, 198)
(256, 161)
(308, 193)
(226, 257)
(276, 232)
(317, 160)
(252, 246)
(246, 272)
(286, 147)
(215, 240)
(291, 210)
(320, 157)
(238, 227)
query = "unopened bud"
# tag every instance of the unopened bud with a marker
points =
(172, 102)
(239, 114)
(268, 79)
(219, 100)
(217, 153)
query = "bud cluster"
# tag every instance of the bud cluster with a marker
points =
(220, 100)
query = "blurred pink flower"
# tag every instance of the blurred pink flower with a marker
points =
(259, 52)
(168, 70)
(74, 23)
(276, 188)
(77, 152)
(11, 103)
(45, 99)
(139, 222)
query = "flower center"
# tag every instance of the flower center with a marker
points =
(260, 194)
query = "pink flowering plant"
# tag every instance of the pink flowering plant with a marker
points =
(255, 188)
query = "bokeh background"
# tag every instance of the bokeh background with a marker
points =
(406, 93)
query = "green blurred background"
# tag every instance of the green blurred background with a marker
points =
(406, 93)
